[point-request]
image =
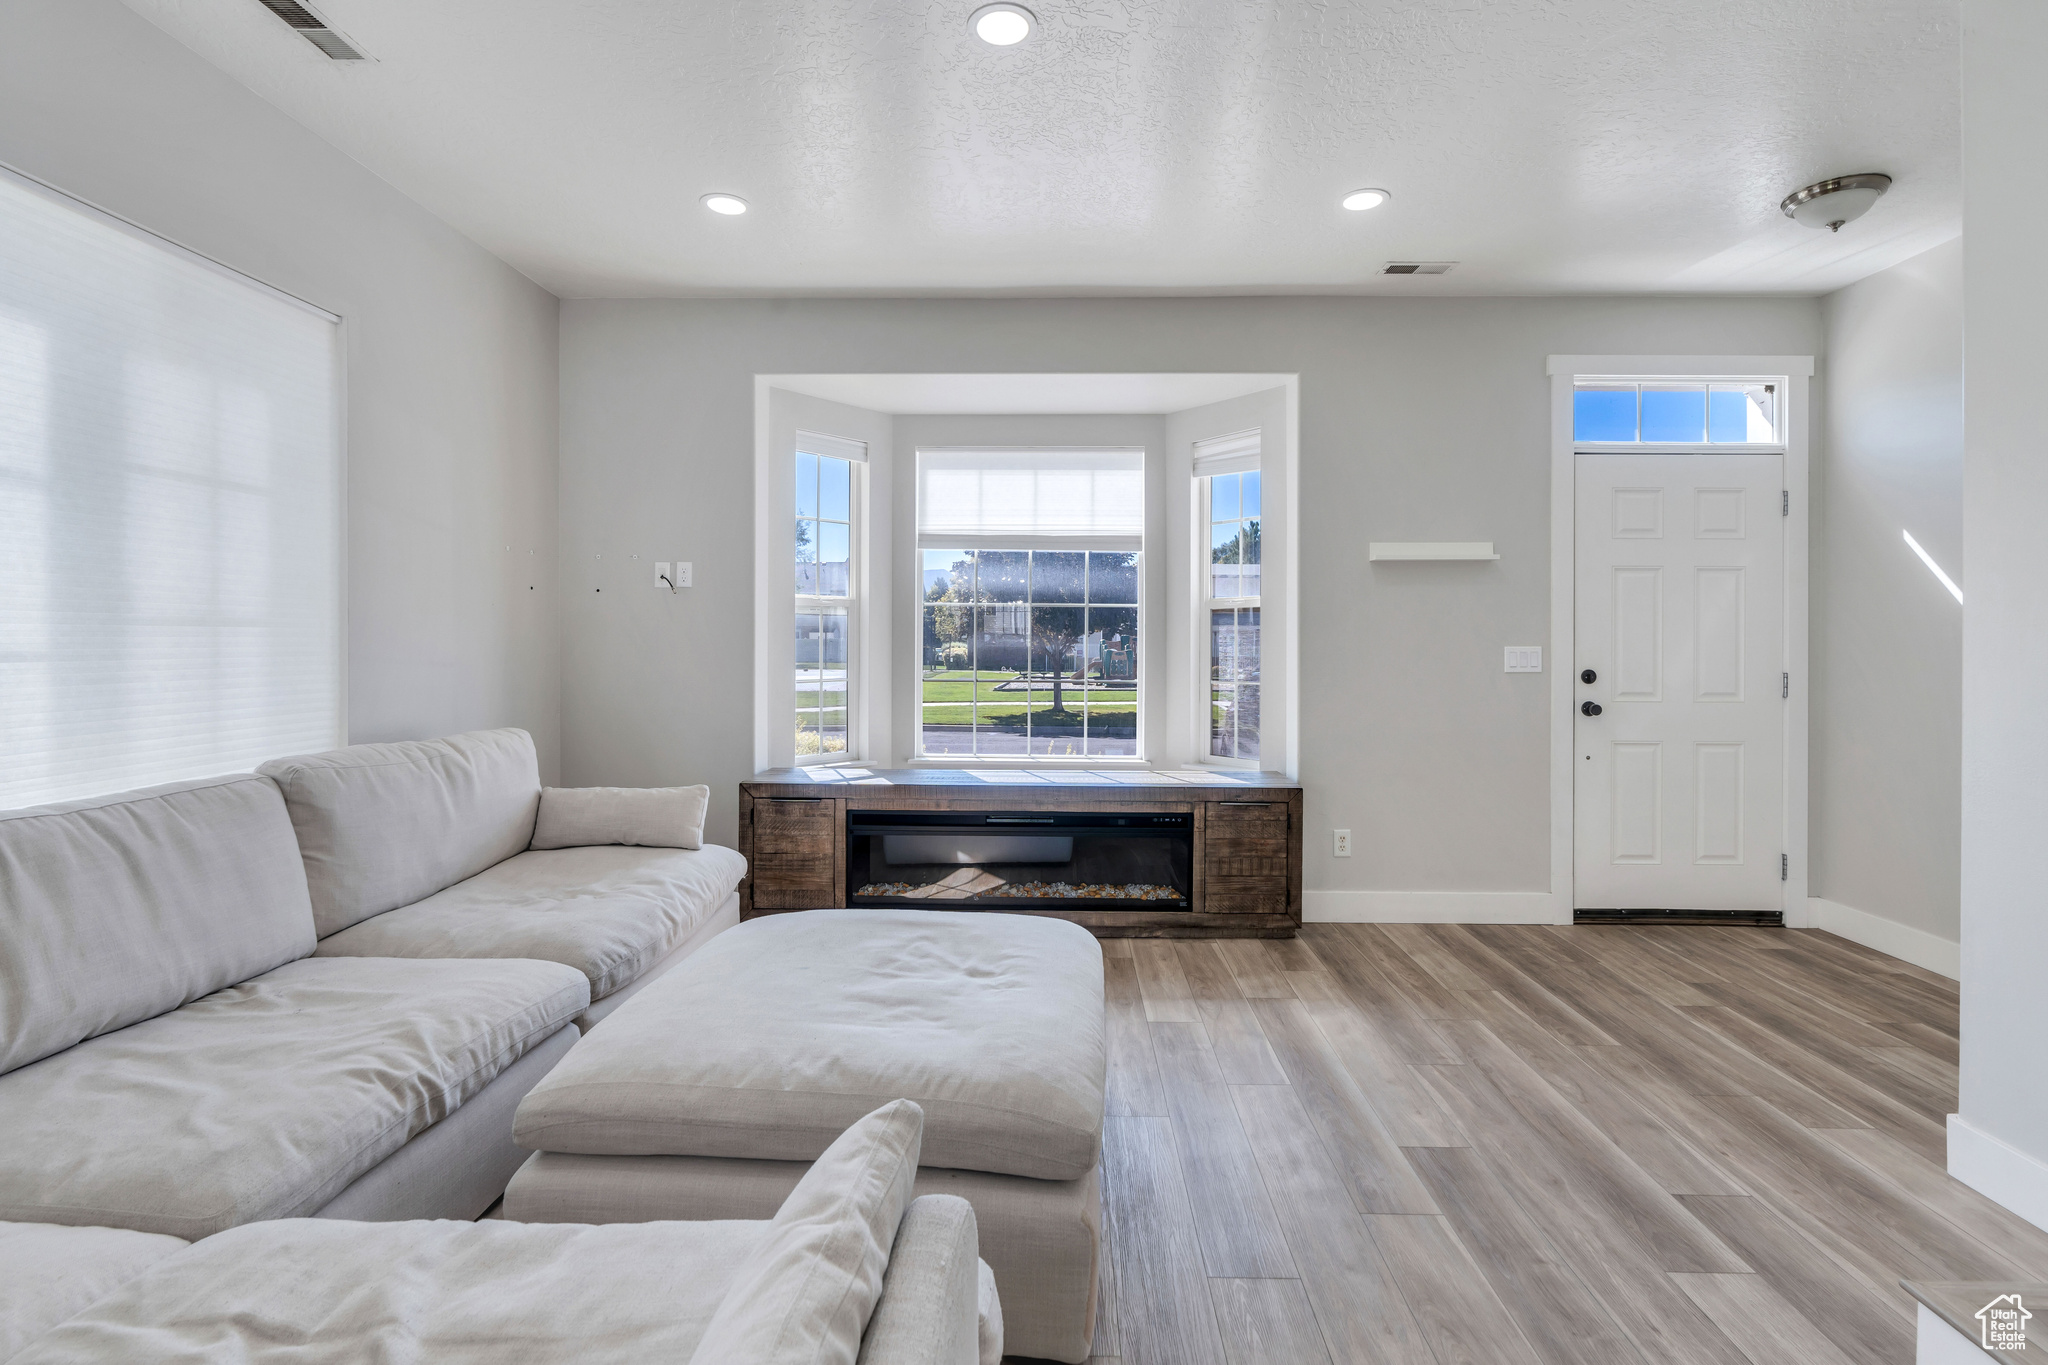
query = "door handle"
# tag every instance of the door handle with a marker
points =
(1591, 708)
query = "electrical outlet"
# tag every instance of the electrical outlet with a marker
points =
(1343, 843)
(682, 574)
(661, 574)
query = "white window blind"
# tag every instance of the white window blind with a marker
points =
(833, 447)
(1031, 499)
(1227, 455)
(170, 484)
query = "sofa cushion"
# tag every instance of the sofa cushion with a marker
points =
(383, 825)
(448, 1292)
(266, 1099)
(652, 817)
(122, 907)
(609, 912)
(804, 1296)
(779, 1033)
(47, 1273)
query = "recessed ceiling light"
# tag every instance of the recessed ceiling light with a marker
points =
(725, 203)
(1003, 25)
(1358, 201)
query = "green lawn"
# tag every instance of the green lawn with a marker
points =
(946, 685)
(947, 694)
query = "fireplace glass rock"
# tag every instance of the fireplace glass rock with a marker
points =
(994, 860)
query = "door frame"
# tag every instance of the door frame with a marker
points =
(1797, 372)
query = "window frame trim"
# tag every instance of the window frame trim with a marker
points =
(855, 601)
(1202, 684)
(1145, 542)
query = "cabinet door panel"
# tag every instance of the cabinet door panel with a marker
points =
(796, 843)
(1244, 858)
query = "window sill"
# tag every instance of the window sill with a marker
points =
(1000, 764)
(1679, 447)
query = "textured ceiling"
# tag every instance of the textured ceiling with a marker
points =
(1134, 146)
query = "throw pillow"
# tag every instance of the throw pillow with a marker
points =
(804, 1297)
(653, 817)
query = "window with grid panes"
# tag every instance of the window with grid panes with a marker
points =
(1231, 608)
(1677, 412)
(825, 598)
(1029, 603)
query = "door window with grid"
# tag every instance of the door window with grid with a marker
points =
(1229, 496)
(826, 499)
(1029, 603)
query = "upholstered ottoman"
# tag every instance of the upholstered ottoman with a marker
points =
(709, 1093)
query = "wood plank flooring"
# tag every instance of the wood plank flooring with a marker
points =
(1469, 1145)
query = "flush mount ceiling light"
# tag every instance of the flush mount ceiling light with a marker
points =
(1358, 201)
(1831, 203)
(725, 203)
(1003, 25)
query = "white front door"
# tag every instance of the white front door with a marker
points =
(1679, 797)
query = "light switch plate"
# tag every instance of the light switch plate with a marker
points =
(1523, 659)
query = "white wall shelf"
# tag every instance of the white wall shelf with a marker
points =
(1431, 549)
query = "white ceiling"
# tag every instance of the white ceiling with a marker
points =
(1134, 146)
(1015, 394)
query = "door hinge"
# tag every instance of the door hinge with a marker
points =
(1784, 867)
(1784, 502)
(1784, 687)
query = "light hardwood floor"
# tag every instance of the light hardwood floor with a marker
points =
(1434, 1145)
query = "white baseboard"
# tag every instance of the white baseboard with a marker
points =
(1428, 907)
(1998, 1170)
(1888, 936)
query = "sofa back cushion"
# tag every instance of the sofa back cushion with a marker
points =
(384, 825)
(120, 908)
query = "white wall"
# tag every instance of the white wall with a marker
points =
(451, 354)
(1888, 647)
(1419, 420)
(1999, 1140)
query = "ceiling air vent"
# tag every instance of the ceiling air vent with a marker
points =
(314, 29)
(1417, 267)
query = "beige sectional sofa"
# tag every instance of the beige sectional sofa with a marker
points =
(421, 849)
(319, 989)
(174, 1059)
(849, 1263)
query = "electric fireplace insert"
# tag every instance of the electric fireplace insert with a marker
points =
(1027, 859)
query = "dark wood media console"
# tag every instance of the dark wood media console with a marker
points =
(1243, 876)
